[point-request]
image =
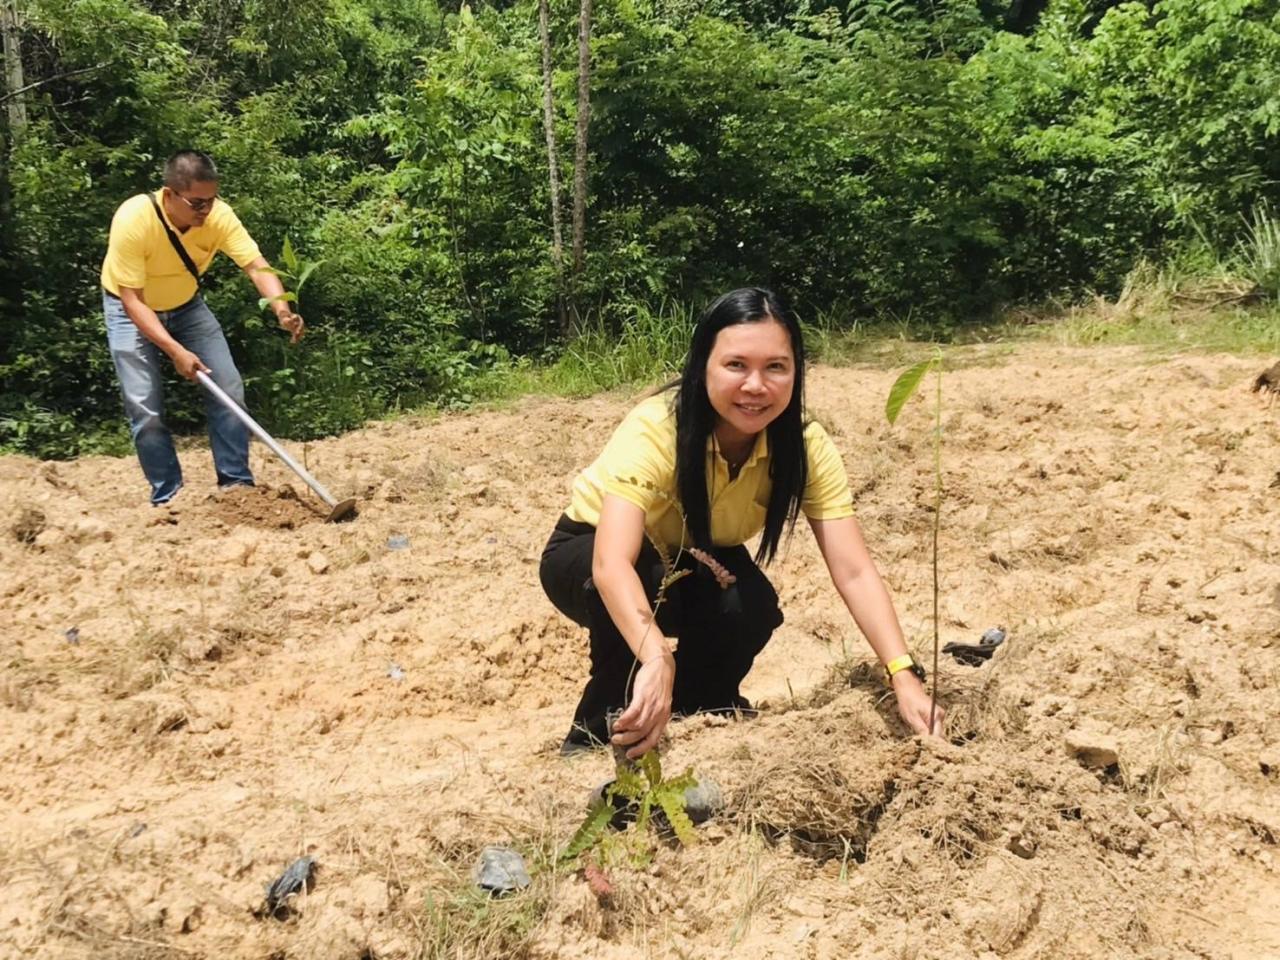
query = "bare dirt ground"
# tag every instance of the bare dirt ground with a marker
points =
(192, 697)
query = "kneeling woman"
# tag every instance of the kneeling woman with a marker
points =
(719, 457)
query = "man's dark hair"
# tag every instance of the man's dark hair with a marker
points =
(187, 167)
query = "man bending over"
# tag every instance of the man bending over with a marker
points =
(159, 247)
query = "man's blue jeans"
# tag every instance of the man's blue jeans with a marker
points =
(140, 365)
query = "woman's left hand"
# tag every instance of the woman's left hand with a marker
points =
(913, 704)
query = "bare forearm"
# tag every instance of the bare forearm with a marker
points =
(855, 576)
(859, 583)
(872, 609)
(624, 597)
(868, 601)
(268, 283)
(145, 319)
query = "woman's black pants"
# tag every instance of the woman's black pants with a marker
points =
(719, 631)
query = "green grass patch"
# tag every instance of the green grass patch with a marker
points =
(650, 346)
(1246, 331)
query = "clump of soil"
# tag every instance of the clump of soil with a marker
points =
(278, 508)
(28, 526)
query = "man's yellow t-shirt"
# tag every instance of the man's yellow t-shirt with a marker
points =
(139, 254)
(639, 465)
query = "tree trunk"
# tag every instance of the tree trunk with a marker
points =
(13, 79)
(553, 167)
(580, 140)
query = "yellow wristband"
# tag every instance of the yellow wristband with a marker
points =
(898, 664)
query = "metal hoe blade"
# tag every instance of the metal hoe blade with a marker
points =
(338, 510)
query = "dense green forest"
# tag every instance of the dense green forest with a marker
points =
(941, 160)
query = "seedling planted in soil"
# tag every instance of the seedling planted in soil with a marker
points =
(902, 390)
(639, 794)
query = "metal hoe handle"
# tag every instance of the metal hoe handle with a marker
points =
(265, 437)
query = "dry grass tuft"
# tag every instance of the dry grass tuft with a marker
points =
(145, 659)
(827, 802)
(93, 918)
(978, 706)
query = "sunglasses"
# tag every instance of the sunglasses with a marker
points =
(198, 205)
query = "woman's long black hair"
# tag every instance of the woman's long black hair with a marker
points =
(695, 419)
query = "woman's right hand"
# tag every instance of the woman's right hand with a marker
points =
(641, 724)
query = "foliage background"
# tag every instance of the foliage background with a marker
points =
(936, 160)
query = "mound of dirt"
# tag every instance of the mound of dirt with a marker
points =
(278, 508)
(193, 697)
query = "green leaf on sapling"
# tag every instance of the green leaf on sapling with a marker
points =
(905, 387)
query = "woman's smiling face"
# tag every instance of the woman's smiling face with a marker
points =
(750, 378)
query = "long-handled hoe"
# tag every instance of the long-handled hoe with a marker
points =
(338, 510)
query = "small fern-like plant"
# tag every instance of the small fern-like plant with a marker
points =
(902, 390)
(639, 787)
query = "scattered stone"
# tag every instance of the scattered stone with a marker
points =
(199, 649)
(91, 529)
(1021, 846)
(51, 537)
(318, 563)
(1269, 761)
(396, 672)
(499, 652)
(500, 870)
(1210, 736)
(181, 916)
(398, 542)
(498, 689)
(73, 636)
(703, 800)
(383, 943)
(1097, 750)
(168, 715)
(298, 876)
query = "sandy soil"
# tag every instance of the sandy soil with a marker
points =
(192, 697)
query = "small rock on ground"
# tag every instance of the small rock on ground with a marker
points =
(1097, 750)
(500, 870)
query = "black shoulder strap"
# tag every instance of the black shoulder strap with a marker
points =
(173, 238)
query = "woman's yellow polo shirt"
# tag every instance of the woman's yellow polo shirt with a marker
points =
(639, 465)
(139, 255)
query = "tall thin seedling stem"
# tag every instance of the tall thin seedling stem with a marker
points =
(902, 390)
(937, 522)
